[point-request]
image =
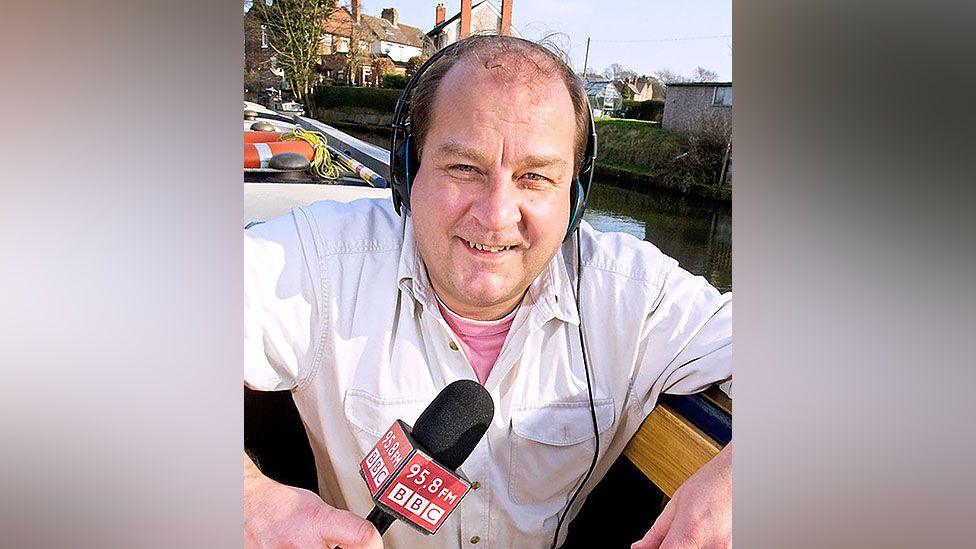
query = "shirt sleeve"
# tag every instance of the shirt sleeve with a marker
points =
(686, 343)
(281, 302)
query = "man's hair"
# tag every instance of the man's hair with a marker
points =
(528, 61)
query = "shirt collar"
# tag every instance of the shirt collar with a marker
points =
(551, 293)
(411, 273)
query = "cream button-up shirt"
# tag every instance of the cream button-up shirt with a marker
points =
(340, 311)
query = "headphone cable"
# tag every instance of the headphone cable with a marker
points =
(589, 390)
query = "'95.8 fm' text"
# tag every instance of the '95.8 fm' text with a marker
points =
(424, 492)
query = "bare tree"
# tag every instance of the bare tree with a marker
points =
(294, 30)
(701, 74)
(415, 62)
(611, 71)
(616, 71)
(667, 76)
(381, 67)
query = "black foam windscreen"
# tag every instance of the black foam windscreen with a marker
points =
(454, 422)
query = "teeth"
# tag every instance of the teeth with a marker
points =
(484, 248)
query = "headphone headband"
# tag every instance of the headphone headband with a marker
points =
(404, 161)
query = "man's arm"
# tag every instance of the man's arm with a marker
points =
(699, 516)
(276, 515)
(689, 347)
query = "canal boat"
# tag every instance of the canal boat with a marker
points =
(677, 438)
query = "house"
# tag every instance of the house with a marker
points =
(368, 46)
(336, 45)
(390, 38)
(649, 88)
(355, 48)
(260, 64)
(693, 104)
(480, 18)
(260, 70)
(640, 89)
(627, 89)
(604, 98)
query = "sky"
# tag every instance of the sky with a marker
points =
(609, 20)
(608, 23)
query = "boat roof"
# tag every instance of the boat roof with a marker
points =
(269, 193)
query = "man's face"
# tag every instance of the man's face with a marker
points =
(495, 173)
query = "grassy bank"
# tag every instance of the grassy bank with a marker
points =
(638, 154)
(639, 177)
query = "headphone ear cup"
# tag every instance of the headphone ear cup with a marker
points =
(400, 170)
(577, 199)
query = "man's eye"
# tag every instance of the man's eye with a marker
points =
(464, 168)
(536, 177)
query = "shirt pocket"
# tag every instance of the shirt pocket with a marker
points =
(369, 416)
(552, 447)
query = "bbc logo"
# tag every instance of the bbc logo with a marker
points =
(416, 504)
(377, 469)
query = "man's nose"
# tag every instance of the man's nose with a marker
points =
(499, 208)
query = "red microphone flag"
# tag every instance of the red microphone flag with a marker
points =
(404, 481)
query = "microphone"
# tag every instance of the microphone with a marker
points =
(411, 473)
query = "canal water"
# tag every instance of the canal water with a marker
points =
(695, 231)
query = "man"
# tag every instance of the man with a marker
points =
(365, 316)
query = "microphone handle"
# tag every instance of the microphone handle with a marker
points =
(380, 519)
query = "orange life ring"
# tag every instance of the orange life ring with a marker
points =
(257, 155)
(261, 137)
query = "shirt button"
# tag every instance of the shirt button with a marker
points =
(475, 485)
(453, 346)
(475, 539)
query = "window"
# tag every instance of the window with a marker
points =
(264, 36)
(362, 44)
(327, 42)
(722, 97)
(343, 46)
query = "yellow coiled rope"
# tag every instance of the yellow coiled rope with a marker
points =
(322, 164)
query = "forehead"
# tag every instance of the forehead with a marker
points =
(506, 99)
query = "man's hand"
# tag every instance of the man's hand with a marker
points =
(276, 515)
(699, 516)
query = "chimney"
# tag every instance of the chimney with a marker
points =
(390, 15)
(506, 26)
(465, 19)
(439, 14)
(354, 5)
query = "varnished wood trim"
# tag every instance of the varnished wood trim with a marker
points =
(668, 449)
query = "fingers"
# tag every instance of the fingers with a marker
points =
(344, 529)
(655, 536)
(677, 539)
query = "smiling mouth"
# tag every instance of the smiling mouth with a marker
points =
(485, 248)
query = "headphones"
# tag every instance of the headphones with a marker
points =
(405, 163)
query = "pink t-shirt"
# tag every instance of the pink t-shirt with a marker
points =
(480, 340)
